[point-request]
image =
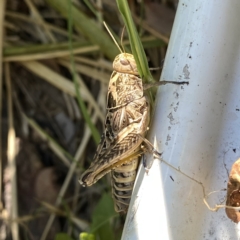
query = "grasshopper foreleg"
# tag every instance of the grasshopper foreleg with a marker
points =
(156, 84)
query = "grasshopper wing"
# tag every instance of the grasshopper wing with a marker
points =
(105, 160)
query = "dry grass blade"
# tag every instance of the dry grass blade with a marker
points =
(43, 48)
(22, 17)
(79, 222)
(10, 26)
(61, 82)
(60, 152)
(84, 89)
(38, 16)
(2, 10)
(95, 63)
(93, 73)
(47, 54)
(155, 33)
(22, 219)
(57, 50)
(86, 26)
(11, 169)
(52, 77)
(72, 168)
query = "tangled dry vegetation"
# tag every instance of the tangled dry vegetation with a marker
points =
(46, 143)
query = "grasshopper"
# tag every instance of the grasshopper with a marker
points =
(123, 141)
(127, 119)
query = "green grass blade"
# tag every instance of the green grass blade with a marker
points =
(86, 116)
(136, 45)
(87, 27)
(90, 6)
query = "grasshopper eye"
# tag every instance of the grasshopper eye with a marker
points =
(124, 61)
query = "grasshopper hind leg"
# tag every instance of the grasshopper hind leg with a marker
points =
(148, 147)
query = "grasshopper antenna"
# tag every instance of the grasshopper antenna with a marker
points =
(122, 35)
(105, 25)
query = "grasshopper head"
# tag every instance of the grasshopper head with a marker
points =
(125, 63)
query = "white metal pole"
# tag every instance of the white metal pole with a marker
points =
(197, 127)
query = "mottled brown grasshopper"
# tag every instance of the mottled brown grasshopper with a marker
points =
(123, 141)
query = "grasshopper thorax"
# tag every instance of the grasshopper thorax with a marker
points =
(125, 63)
